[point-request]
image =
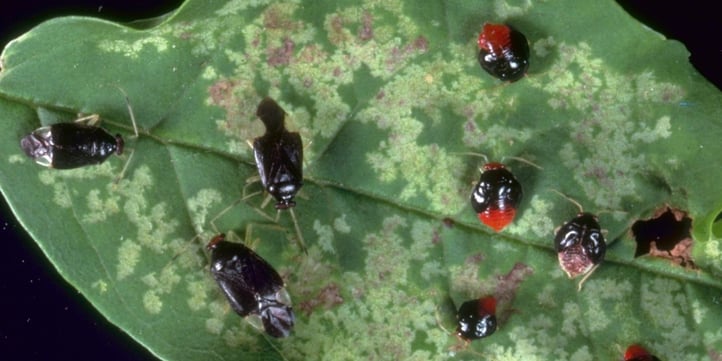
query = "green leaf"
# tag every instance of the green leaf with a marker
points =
(388, 98)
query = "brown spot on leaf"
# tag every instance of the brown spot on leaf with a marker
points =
(448, 222)
(282, 54)
(221, 91)
(366, 31)
(421, 44)
(470, 126)
(239, 101)
(400, 55)
(474, 260)
(312, 54)
(436, 238)
(507, 287)
(275, 18)
(383, 275)
(714, 355)
(667, 235)
(599, 173)
(337, 35)
(327, 297)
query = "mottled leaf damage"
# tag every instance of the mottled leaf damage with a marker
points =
(715, 355)
(386, 95)
(327, 297)
(507, 287)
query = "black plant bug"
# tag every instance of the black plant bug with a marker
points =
(75, 144)
(279, 159)
(503, 52)
(252, 286)
(71, 145)
(476, 318)
(279, 155)
(580, 244)
(496, 196)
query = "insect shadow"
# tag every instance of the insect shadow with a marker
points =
(279, 160)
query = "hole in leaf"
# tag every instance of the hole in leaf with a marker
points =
(667, 235)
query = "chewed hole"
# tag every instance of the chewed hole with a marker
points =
(667, 234)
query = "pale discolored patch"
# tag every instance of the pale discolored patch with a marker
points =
(128, 258)
(199, 206)
(132, 49)
(535, 219)
(607, 129)
(340, 224)
(101, 286)
(17, 158)
(152, 302)
(325, 236)
(376, 300)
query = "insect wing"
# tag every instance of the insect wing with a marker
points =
(590, 235)
(278, 320)
(242, 300)
(279, 159)
(245, 278)
(510, 193)
(78, 145)
(39, 146)
(567, 236)
(259, 152)
(594, 245)
(291, 151)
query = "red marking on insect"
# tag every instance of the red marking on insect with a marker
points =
(494, 38)
(503, 52)
(497, 219)
(496, 196)
(488, 304)
(638, 353)
(476, 319)
(215, 240)
(493, 165)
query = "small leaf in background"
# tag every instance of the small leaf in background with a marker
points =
(387, 99)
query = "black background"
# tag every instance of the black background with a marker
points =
(44, 318)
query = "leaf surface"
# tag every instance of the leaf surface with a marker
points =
(389, 98)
